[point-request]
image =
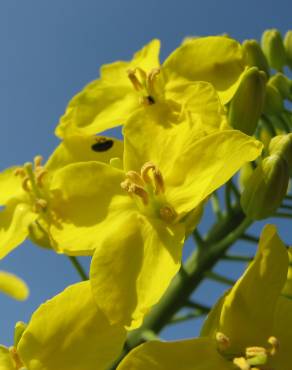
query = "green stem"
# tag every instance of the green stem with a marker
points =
(283, 215)
(219, 278)
(78, 267)
(216, 205)
(250, 238)
(234, 258)
(286, 206)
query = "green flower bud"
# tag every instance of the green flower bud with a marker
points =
(274, 102)
(273, 48)
(282, 84)
(282, 145)
(19, 328)
(38, 235)
(266, 188)
(247, 104)
(288, 48)
(254, 56)
(245, 173)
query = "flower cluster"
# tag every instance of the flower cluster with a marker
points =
(189, 125)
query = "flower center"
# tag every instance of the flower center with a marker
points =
(145, 84)
(147, 188)
(254, 358)
(33, 183)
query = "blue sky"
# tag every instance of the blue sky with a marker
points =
(50, 50)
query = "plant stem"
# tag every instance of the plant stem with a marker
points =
(78, 267)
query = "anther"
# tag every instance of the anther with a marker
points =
(133, 78)
(25, 184)
(15, 357)
(37, 161)
(242, 363)
(151, 78)
(135, 178)
(157, 176)
(19, 172)
(41, 204)
(223, 342)
(138, 190)
(40, 176)
(274, 342)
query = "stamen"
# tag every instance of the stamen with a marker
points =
(40, 176)
(15, 357)
(41, 205)
(37, 161)
(134, 189)
(133, 78)
(134, 177)
(151, 78)
(242, 363)
(223, 342)
(274, 342)
(19, 172)
(168, 214)
(157, 176)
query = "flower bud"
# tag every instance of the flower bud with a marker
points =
(38, 235)
(274, 103)
(288, 48)
(254, 56)
(282, 145)
(244, 175)
(247, 104)
(282, 84)
(266, 188)
(273, 48)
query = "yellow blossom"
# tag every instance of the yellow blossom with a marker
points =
(134, 217)
(248, 328)
(68, 332)
(25, 193)
(124, 87)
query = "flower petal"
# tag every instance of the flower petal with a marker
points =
(6, 362)
(248, 310)
(193, 164)
(198, 354)
(282, 331)
(68, 332)
(132, 268)
(14, 222)
(13, 286)
(147, 58)
(89, 204)
(10, 185)
(108, 102)
(215, 59)
(79, 148)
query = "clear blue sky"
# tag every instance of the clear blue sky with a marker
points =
(50, 50)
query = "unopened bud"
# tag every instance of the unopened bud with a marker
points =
(247, 104)
(282, 145)
(273, 48)
(282, 84)
(19, 328)
(274, 102)
(254, 56)
(38, 235)
(288, 48)
(266, 188)
(244, 175)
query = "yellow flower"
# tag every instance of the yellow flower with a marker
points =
(134, 217)
(68, 332)
(248, 328)
(124, 87)
(13, 286)
(25, 193)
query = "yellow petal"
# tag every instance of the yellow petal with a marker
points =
(13, 286)
(194, 354)
(247, 313)
(90, 204)
(282, 331)
(6, 362)
(132, 268)
(215, 59)
(191, 172)
(83, 149)
(108, 102)
(10, 185)
(68, 332)
(147, 58)
(98, 108)
(14, 222)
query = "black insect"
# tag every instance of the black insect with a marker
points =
(102, 145)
